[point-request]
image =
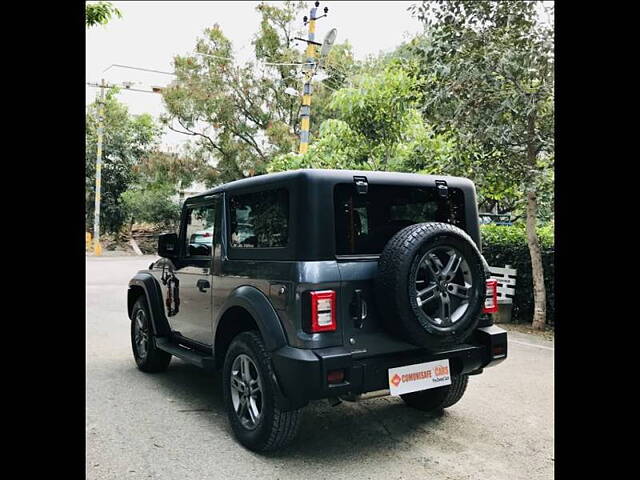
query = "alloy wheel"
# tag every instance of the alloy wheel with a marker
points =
(141, 334)
(442, 286)
(246, 391)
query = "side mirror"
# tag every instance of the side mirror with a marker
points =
(168, 245)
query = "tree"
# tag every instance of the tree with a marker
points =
(152, 204)
(176, 169)
(127, 139)
(375, 126)
(100, 13)
(159, 176)
(488, 69)
(239, 115)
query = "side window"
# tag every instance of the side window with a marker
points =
(259, 220)
(199, 231)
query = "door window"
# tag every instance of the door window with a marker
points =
(199, 231)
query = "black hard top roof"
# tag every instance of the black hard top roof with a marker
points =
(317, 175)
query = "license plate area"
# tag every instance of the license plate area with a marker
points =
(419, 376)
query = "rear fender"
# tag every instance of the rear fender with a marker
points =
(262, 311)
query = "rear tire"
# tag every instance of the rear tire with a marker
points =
(437, 399)
(256, 420)
(148, 357)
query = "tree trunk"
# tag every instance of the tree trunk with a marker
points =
(539, 293)
(537, 269)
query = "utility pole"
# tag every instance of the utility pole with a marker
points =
(97, 248)
(305, 111)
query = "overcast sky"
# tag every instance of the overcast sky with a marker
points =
(151, 33)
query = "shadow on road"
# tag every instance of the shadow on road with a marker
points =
(342, 433)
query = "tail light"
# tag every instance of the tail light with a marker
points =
(323, 311)
(491, 298)
(335, 376)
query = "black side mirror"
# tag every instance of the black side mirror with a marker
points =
(168, 245)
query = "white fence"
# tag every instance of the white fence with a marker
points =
(506, 277)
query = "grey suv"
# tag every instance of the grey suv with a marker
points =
(321, 284)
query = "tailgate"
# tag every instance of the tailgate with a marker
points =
(362, 326)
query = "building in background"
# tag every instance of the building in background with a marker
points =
(194, 189)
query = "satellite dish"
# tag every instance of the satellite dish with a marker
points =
(329, 38)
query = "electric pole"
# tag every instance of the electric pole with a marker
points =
(305, 111)
(97, 248)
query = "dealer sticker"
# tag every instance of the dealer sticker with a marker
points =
(421, 376)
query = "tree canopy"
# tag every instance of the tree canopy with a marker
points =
(375, 126)
(100, 13)
(488, 71)
(127, 139)
(239, 115)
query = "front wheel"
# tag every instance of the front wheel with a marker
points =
(250, 397)
(436, 399)
(148, 357)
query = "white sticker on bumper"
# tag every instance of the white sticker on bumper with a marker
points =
(421, 376)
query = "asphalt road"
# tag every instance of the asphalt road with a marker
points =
(172, 425)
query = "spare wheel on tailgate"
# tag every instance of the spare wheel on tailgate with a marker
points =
(430, 285)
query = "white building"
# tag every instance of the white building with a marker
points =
(193, 189)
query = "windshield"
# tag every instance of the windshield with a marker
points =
(366, 222)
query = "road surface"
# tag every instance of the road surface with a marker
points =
(173, 426)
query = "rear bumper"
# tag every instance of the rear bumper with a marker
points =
(302, 374)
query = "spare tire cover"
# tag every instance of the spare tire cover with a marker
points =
(431, 284)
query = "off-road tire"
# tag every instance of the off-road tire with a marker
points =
(155, 360)
(437, 399)
(400, 313)
(275, 427)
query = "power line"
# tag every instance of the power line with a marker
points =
(137, 68)
(124, 87)
(258, 62)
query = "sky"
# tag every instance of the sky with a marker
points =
(151, 33)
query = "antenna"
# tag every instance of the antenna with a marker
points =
(329, 38)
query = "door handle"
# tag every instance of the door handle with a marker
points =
(203, 285)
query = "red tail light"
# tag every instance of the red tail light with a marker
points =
(323, 311)
(491, 299)
(335, 376)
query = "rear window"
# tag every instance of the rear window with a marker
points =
(366, 222)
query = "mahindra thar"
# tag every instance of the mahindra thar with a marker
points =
(321, 284)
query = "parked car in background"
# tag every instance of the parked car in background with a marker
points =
(496, 219)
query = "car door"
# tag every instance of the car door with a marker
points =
(193, 272)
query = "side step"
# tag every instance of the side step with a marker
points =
(188, 355)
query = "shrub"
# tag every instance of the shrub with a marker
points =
(152, 204)
(507, 245)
